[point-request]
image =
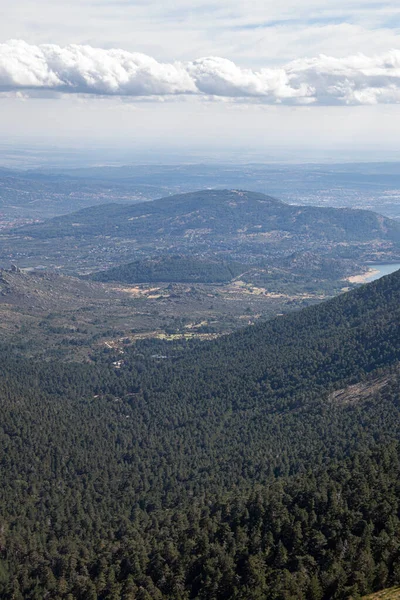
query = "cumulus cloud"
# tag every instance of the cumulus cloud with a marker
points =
(79, 69)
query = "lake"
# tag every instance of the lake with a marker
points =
(383, 269)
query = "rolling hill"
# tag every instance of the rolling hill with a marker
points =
(186, 269)
(220, 214)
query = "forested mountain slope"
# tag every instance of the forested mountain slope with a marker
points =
(236, 469)
(175, 268)
(219, 212)
(299, 268)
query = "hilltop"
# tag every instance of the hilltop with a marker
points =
(174, 268)
(47, 192)
(232, 213)
(214, 225)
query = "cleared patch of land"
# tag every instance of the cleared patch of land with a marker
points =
(363, 277)
(56, 316)
(391, 594)
(361, 391)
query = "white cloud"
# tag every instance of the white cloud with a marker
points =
(82, 69)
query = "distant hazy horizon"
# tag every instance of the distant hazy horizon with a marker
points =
(28, 154)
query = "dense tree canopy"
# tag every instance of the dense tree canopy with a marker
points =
(175, 268)
(264, 464)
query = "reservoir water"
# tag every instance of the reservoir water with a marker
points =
(383, 269)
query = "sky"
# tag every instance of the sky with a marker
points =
(291, 80)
